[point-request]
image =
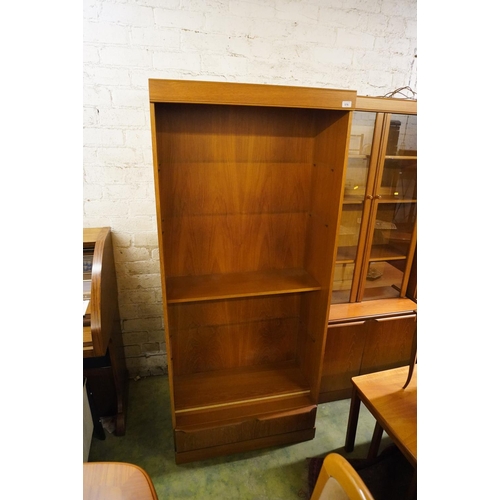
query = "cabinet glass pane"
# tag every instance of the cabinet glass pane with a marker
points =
(399, 177)
(392, 235)
(360, 146)
(348, 238)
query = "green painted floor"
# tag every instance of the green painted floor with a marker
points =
(278, 473)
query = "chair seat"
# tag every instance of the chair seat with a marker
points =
(116, 481)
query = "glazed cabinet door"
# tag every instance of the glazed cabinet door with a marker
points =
(377, 235)
(392, 220)
(359, 182)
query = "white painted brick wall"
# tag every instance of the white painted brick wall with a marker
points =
(364, 45)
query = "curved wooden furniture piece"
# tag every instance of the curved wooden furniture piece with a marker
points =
(338, 480)
(116, 481)
(103, 355)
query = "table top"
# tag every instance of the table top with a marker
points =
(393, 407)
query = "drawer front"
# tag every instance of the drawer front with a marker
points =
(244, 430)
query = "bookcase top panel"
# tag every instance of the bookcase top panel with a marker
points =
(248, 94)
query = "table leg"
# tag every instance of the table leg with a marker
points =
(352, 423)
(375, 444)
(412, 493)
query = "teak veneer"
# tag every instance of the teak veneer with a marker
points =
(103, 352)
(248, 182)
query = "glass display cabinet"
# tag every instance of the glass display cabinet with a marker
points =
(377, 236)
(372, 317)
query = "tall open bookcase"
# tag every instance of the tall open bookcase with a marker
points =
(248, 182)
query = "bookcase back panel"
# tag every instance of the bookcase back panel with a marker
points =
(234, 333)
(233, 311)
(258, 343)
(211, 133)
(199, 245)
(236, 188)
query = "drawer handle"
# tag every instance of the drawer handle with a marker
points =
(289, 413)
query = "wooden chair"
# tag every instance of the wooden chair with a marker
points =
(116, 481)
(413, 360)
(338, 480)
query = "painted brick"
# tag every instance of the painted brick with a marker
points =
(156, 37)
(132, 350)
(222, 64)
(135, 338)
(120, 156)
(122, 117)
(90, 55)
(146, 240)
(355, 39)
(184, 20)
(330, 56)
(105, 76)
(103, 137)
(139, 296)
(131, 254)
(97, 95)
(103, 175)
(143, 281)
(125, 56)
(364, 5)
(126, 192)
(296, 10)
(251, 10)
(142, 267)
(128, 14)
(133, 325)
(178, 60)
(99, 32)
(151, 347)
(129, 98)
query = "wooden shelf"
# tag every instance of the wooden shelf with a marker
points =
(207, 391)
(354, 199)
(224, 286)
(380, 253)
(395, 157)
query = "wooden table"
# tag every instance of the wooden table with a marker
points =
(394, 409)
(116, 481)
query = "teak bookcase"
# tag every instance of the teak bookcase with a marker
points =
(248, 183)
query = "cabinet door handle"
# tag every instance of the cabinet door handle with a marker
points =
(404, 316)
(369, 197)
(378, 197)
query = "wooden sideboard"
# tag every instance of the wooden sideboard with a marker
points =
(103, 354)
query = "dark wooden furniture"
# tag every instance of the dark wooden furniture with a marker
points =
(248, 183)
(103, 356)
(372, 320)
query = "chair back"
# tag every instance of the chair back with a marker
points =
(338, 480)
